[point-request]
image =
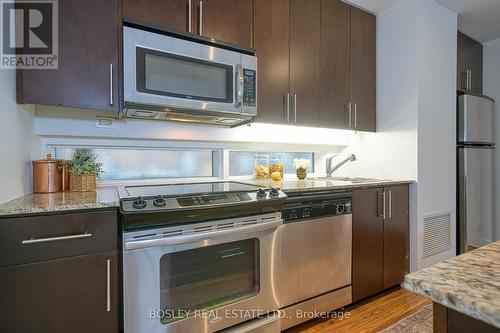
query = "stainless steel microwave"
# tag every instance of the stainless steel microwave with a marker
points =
(169, 77)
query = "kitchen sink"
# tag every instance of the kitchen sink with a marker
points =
(351, 179)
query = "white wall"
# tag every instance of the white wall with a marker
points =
(491, 85)
(16, 141)
(436, 117)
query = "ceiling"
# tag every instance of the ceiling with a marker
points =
(374, 6)
(478, 19)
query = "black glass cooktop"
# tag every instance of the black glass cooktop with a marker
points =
(176, 190)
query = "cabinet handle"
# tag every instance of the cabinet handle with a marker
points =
(470, 79)
(295, 107)
(190, 15)
(383, 205)
(355, 115)
(201, 18)
(287, 107)
(110, 84)
(108, 285)
(390, 204)
(54, 239)
(349, 118)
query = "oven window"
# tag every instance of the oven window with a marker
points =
(167, 74)
(207, 278)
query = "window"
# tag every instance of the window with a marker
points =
(242, 163)
(130, 163)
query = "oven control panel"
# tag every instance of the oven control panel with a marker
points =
(215, 199)
(249, 88)
(162, 203)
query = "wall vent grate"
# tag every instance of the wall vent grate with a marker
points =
(437, 234)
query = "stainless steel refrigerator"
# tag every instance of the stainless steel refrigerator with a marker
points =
(476, 156)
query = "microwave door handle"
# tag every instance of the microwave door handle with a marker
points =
(239, 85)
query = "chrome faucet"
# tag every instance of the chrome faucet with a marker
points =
(331, 169)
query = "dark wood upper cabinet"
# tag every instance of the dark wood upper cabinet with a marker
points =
(305, 46)
(226, 20)
(335, 53)
(272, 40)
(396, 236)
(363, 70)
(469, 64)
(327, 49)
(380, 243)
(88, 70)
(367, 243)
(61, 296)
(171, 14)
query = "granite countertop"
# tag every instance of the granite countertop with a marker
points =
(319, 184)
(37, 203)
(109, 197)
(469, 283)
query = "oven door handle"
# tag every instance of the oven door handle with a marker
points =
(201, 236)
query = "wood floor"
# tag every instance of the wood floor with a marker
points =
(371, 315)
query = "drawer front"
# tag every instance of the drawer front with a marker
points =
(30, 239)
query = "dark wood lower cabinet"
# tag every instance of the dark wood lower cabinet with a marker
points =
(380, 232)
(65, 295)
(396, 236)
(367, 243)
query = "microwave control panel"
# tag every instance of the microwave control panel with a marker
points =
(249, 90)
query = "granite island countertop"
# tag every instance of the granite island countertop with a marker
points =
(40, 203)
(469, 283)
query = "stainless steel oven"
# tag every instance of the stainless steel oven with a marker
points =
(200, 277)
(173, 77)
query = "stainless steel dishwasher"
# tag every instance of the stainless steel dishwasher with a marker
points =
(313, 273)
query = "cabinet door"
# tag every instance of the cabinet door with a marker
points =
(475, 62)
(65, 295)
(367, 243)
(87, 76)
(461, 61)
(305, 45)
(226, 20)
(396, 235)
(170, 14)
(335, 44)
(469, 60)
(272, 44)
(363, 70)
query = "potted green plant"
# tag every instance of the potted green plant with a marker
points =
(83, 170)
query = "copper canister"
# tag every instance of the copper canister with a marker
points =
(46, 176)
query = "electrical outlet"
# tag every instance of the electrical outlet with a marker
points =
(105, 123)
